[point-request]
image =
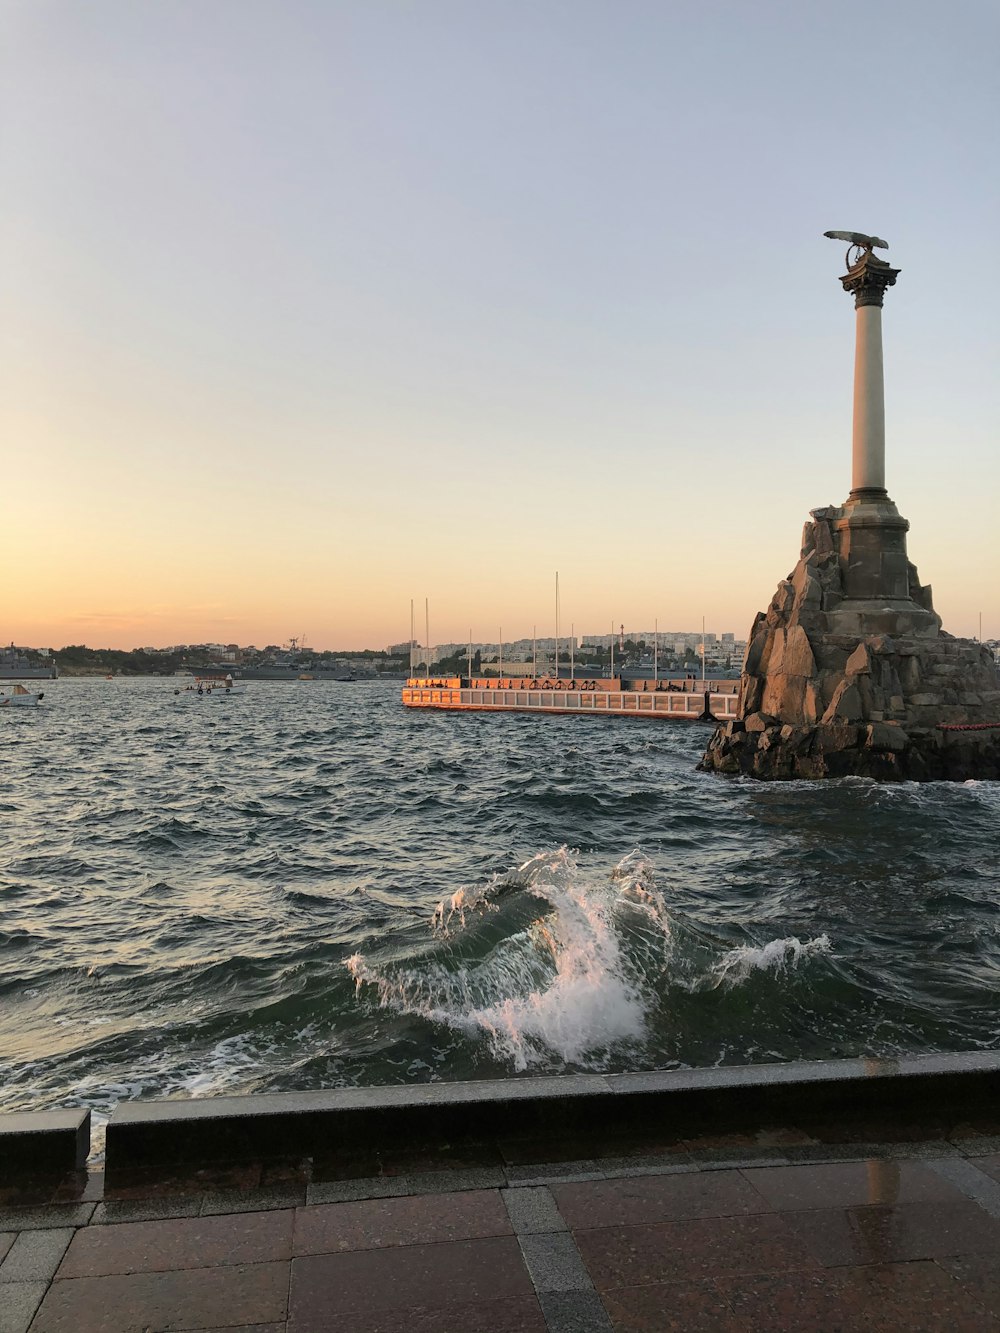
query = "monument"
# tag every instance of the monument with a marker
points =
(849, 671)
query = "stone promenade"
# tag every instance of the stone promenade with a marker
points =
(774, 1232)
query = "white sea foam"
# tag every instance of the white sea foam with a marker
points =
(452, 913)
(776, 956)
(560, 987)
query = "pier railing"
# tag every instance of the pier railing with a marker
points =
(683, 700)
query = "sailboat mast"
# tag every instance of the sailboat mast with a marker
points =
(703, 649)
(557, 624)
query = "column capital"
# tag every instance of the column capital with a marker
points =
(867, 280)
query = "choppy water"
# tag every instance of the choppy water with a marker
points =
(309, 886)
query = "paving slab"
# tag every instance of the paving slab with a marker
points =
(18, 1303)
(657, 1199)
(989, 1163)
(693, 1250)
(554, 1262)
(113, 1211)
(878, 1235)
(647, 1164)
(197, 1242)
(448, 1182)
(978, 1275)
(977, 1145)
(366, 1187)
(843, 1184)
(897, 1298)
(415, 1219)
(370, 1282)
(253, 1201)
(964, 1172)
(543, 1173)
(532, 1209)
(517, 1314)
(195, 1298)
(247, 1328)
(574, 1312)
(46, 1217)
(674, 1307)
(35, 1256)
(725, 1159)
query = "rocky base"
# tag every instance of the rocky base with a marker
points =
(879, 750)
(849, 672)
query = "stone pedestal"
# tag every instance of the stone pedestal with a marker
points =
(834, 684)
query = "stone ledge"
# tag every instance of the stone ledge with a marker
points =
(43, 1141)
(914, 1091)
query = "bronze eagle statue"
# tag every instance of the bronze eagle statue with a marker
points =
(856, 238)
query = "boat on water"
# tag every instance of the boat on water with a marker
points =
(19, 697)
(15, 665)
(217, 685)
(604, 696)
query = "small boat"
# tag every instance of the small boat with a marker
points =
(217, 685)
(20, 698)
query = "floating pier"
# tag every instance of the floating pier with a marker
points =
(680, 700)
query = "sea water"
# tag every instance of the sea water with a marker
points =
(309, 886)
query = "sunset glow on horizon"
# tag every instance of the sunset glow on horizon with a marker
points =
(313, 309)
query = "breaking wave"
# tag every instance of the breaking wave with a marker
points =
(554, 960)
(777, 956)
(562, 979)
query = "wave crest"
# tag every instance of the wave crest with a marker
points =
(559, 984)
(776, 956)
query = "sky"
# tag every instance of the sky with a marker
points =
(312, 307)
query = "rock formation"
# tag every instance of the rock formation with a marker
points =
(835, 685)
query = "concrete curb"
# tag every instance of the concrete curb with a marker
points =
(921, 1092)
(43, 1142)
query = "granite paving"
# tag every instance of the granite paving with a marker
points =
(774, 1232)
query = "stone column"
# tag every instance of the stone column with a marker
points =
(877, 577)
(868, 471)
(867, 280)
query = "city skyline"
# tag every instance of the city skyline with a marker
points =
(313, 309)
(296, 644)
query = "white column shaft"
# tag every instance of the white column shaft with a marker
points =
(869, 401)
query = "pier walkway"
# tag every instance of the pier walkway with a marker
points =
(664, 700)
(781, 1230)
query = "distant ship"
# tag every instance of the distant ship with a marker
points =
(15, 666)
(286, 668)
